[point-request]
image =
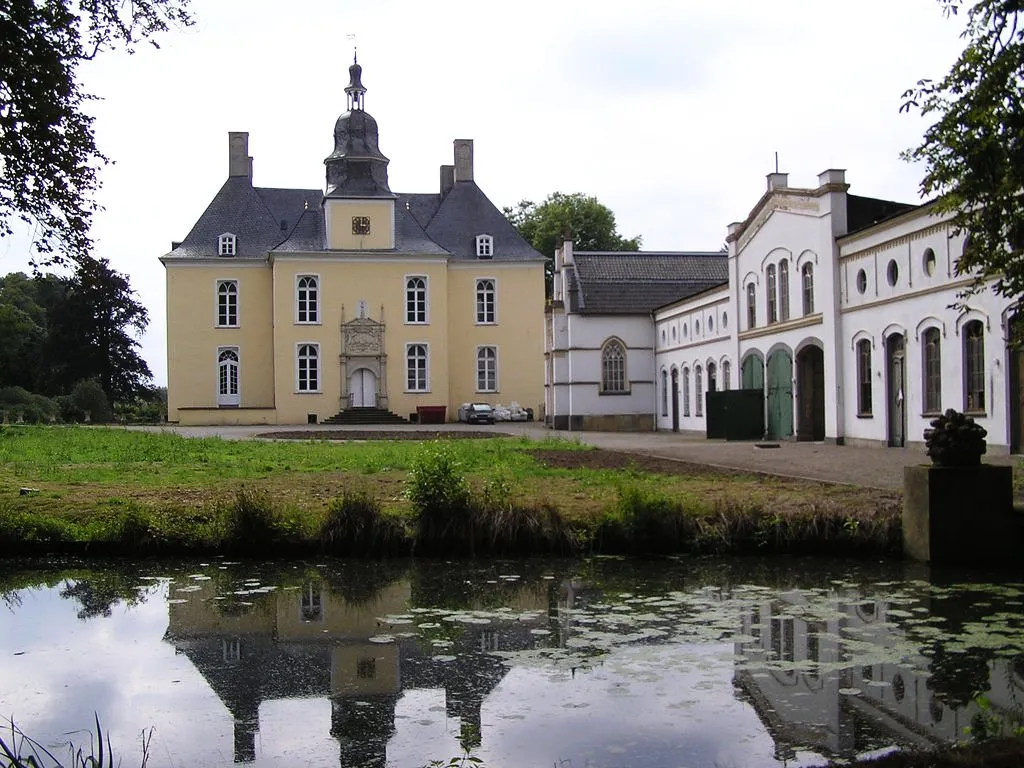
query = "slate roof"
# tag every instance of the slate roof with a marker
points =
(863, 212)
(265, 219)
(624, 282)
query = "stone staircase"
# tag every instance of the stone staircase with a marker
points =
(352, 416)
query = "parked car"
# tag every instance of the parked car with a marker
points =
(479, 413)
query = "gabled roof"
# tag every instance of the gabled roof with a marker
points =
(863, 212)
(625, 282)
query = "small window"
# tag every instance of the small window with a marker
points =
(751, 306)
(686, 330)
(487, 369)
(227, 245)
(771, 284)
(892, 272)
(231, 649)
(864, 377)
(673, 333)
(360, 225)
(416, 368)
(711, 324)
(712, 377)
(807, 280)
(726, 375)
(974, 367)
(664, 392)
(725, 320)
(932, 370)
(784, 290)
(929, 262)
(308, 368)
(227, 303)
(686, 391)
(613, 367)
(696, 327)
(862, 281)
(485, 301)
(662, 335)
(312, 608)
(307, 299)
(698, 391)
(416, 300)
(484, 247)
(366, 668)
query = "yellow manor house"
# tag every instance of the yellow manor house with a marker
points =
(288, 306)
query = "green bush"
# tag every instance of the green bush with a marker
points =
(252, 519)
(90, 398)
(18, 404)
(356, 526)
(440, 498)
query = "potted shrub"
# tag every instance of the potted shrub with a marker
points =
(954, 440)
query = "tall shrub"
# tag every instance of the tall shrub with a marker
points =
(440, 497)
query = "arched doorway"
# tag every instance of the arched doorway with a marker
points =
(362, 389)
(896, 387)
(675, 399)
(752, 373)
(779, 394)
(810, 376)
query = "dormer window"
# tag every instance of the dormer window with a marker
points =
(226, 245)
(484, 247)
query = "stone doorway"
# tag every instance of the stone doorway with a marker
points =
(363, 362)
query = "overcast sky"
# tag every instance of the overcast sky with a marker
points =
(670, 113)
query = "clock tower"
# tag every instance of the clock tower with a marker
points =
(359, 206)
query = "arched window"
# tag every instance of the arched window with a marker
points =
(772, 286)
(931, 368)
(784, 290)
(227, 303)
(698, 391)
(416, 367)
(864, 377)
(751, 306)
(308, 368)
(485, 301)
(308, 300)
(416, 300)
(487, 369)
(613, 367)
(712, 377)
(974, 366)
(726, 375)
(686, 391)
(227, 377)
(807, 280)
(664, 392)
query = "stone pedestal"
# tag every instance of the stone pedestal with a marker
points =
(960, 516)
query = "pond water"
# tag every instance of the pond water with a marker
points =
(602, 662)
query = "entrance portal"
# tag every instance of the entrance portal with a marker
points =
(780, 395)
(362, 389)
(810, 365)
(895, 354)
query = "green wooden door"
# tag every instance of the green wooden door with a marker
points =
(780, 395)
(752, 373)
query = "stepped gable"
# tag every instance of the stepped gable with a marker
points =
(637, 282)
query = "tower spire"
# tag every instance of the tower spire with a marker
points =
(355, 91)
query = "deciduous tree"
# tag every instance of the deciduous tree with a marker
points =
(48, 155)
(973, 154)
(590, 224)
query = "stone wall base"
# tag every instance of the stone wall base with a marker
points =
(961, 516)
(619, 422)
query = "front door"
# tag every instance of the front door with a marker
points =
(227, 378)
(810, 364)
(362, 388)
(895, 353)
(675, 399)
(780, 394)
(752, 373)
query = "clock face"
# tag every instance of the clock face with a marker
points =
(360, 225)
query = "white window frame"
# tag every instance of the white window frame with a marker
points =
(221, 398)
(228, 304)
(304, 388)
(426, 367)
(482, 373)
(484, 247)
(227, 245)
(412, 305)
(481, 316)
(299, 320)
(609, 374)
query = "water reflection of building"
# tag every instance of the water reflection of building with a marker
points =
(311, 642)
(809, 697)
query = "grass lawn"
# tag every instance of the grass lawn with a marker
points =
(89, 477)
